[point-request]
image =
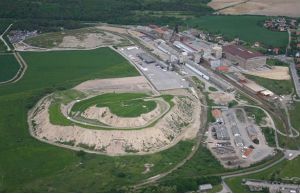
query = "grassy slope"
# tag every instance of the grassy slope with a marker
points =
(29, 165)
(294, 115)
(244, 27)
(8, 67)
(281, 170)
(124, 105)
(279, 87)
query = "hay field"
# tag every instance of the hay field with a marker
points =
(257, 7)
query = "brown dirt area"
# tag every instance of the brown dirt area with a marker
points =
(257, 7)
(221, 98)
(276, 73)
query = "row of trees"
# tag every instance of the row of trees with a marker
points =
(111, 11)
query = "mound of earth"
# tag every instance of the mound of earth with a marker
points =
(181, 121)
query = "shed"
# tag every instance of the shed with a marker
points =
(205, 187)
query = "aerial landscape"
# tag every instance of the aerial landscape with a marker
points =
(150, 96)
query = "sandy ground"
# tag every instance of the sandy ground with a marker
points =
(128, 84)
(90, 40)
(276, 73)
(258, 7)
(219, 4)
(113, 29)
(181, 122)
(221, 98)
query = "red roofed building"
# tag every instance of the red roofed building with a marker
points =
(244, 57)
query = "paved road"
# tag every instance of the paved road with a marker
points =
(2, 39)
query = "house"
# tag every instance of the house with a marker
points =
(298, 45)
(243, 57)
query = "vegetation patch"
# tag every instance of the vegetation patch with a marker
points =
(255, 113)
(294, 115)
(280, 87)
(8, 67)
(246, 28)
(269, 134)
(276, 62)
(123, 105)
(283, 171)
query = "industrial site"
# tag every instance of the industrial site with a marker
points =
(157, 108)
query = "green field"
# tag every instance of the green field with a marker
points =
(8, 67)
(269, 134)
(294, 115)
(29, 165)
(257, 113)
(4, 23)
(284, 171)
(279, 87)
(276, 62)
(123, 105)
(198, 170)
(247, 28)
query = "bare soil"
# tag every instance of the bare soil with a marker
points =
(258, 7)
(276, 73)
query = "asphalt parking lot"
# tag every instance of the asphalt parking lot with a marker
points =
(160, 78)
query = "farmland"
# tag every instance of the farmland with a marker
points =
(8, 67)
(29, 165)
(247, 28)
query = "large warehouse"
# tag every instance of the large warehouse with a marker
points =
(243, 57)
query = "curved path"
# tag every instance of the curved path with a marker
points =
(68, 108)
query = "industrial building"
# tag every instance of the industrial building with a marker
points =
(146, 58)
(244, 58)
(238, 141)
(235, 130)
(221, 132)
(184, 47)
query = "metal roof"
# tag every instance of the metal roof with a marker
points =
(241, 52)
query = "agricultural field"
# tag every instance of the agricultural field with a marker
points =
(247, 28)
(4, 23)
(279, 87)
(31, 166)
(256, 7)
(285, 170)
(8, 67)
